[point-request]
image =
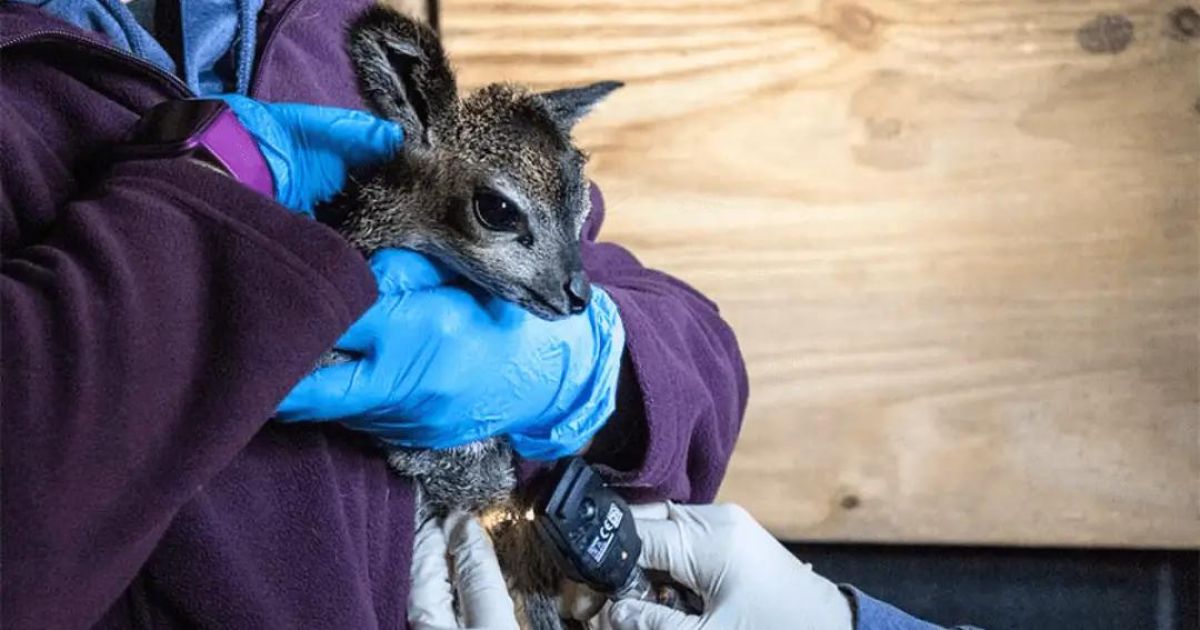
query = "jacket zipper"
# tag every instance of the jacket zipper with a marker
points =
(172, 83)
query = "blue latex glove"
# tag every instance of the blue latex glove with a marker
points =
(441, 363)
(309, 148)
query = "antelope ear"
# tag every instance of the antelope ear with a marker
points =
(402, 70)
(567, 106)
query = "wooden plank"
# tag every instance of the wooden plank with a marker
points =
(958, 239)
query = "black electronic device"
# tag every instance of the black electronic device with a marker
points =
(591, 530)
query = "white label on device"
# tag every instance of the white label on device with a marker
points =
(600, 545)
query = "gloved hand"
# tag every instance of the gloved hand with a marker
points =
(441, 364)
(747, 579)
(477, 583)
(310, 148)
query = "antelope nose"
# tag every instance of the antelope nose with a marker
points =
(579, 291)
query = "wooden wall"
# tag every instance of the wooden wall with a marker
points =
(958, 240)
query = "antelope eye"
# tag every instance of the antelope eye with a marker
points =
(496, 213)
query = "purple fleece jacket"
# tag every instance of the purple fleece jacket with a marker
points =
(153, 315)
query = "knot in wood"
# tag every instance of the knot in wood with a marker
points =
(1105, 34)
(852, 23)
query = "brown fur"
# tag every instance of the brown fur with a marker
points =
(501, 140)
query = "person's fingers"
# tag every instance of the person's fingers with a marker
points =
(275, 143)
(665, 547)
(323, 395)
(482, 593)
(357, 137)
(650, 511)
(631, 614)
(401, 270)
(430, 599)
(667, 543)
(362, 335)
(592, 388)
(605, 310)
(253, 114)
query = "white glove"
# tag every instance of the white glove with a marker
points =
(458, 546)
(747, 579)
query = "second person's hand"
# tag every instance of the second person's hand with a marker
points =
(440, 363)
(747, 579)
(456, 579)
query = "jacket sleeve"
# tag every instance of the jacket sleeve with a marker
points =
(683, 387)
(148, 331)
(872, 614)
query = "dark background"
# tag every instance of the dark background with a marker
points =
(1029, 589)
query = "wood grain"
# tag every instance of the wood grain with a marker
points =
(958, 240)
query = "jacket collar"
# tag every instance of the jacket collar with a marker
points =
(18, 21)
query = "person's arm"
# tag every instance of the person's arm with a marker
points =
(872, 614)
(683, 386)
(745, 577)
(147, 332)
